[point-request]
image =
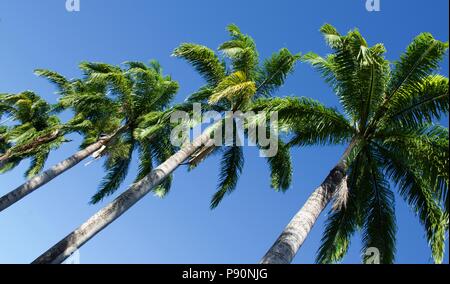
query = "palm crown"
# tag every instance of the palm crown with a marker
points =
(33, 132)
(132, 101)
(236, 88)
(388, 116)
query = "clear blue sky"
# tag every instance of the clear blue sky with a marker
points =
(182, 228)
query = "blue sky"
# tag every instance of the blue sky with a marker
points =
(181, 228)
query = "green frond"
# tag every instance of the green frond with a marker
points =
(119, 84)
(204, 60)
(63, 85)
(145, 165)
(230, 169)
(162, 150)
(156, 66)
(241, 49)
(151, 124)
(281, 167)
(426, 149)
(98, 67)
(325, 66)
(163, 189)
(37, 163)
(135, 65)
(332, 36)
(150, 90)
(427, 101)
(201, 96)
(4, 144)
(357, 73)
(309, 121)
(117, 165)
(275, 70)
(418, 194)
(235, 86)
(420, 59)
(379, 227)
(10, 165)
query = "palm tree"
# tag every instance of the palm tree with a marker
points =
(233, 89)
(387, 125)
(143, 96)
(33, 134)
(80, 123)
(106, 125)
(236, 89)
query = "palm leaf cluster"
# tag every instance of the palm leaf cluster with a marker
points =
(29, 131)
(109, 99)
(235, 79)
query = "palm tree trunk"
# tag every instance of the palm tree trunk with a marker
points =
(45, 177)
(295, 233)
(63, 249)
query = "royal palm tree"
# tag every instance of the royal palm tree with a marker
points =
(234, 89)
(108, 105)
(392, 142)
(33, 133)
(143, 96)
(80, 123)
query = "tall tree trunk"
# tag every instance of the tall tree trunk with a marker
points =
(289, 242)
(63, 249)
(45, 177)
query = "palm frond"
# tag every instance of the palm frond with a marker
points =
(379, 227)
(275, 70)
(420, 59)
(63, 85)
(309, 121)
(117, 165)
(162, 150)
(234, 87)
(418, 194)
(230, 169)
(145, 165)
(356, 72)
(204, 60)
(281, 167)
(427, 101)
(426, 149)
(241, 49)
(37, 163)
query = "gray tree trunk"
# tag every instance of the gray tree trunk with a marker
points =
(48, 175)
(296, 232)
(63, 249)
